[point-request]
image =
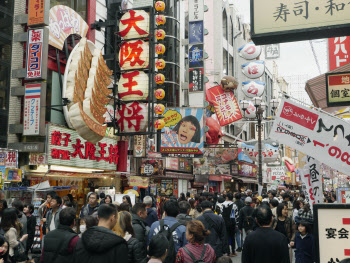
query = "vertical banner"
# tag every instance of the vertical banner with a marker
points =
(338, 52)
(31, 117)
(139, 146)
(38, 12)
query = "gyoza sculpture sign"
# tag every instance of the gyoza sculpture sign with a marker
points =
(319, 135)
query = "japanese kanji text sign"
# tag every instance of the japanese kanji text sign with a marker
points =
(196, 79)
(317, 134)
(66, 147)
(338, 89)
(332, 228)
(196, 10)
(246, 169)
(183, 133)
(225, 104)
(293, 20)
(38, 12)
(338, 52)
(36, 54)
(31, 116)
(272, 51)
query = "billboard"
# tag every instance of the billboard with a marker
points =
(324, 137)
(338, 89)
(196, 82)
(183, 133)
(338, 52)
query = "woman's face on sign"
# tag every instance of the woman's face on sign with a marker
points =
(186, 132)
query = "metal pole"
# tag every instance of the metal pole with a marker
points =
(259, 117)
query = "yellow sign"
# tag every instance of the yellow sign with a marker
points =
(171, 118)
(13, 175)
(139, 181)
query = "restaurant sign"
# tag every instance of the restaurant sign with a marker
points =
(295, 20)
(338, 89)
(67, 148)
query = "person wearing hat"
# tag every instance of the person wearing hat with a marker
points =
(157, 249)
(246, 219)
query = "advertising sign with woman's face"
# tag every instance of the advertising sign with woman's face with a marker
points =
(183, 133)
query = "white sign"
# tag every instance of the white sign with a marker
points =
(312, 179)
(11, 160)
(148, 169)
(250, 51)
(333, 227)
(325, 138)
(278, 173)
(196, 10)
(272, 51)
(31, 116)
(254, 70)
(253, 89)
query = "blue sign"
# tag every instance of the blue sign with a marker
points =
(196, 56)
(195, 33)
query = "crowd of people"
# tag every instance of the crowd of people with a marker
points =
(209, 227)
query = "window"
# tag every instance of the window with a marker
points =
(231, 30)
(232, 130)
(80, 6)
(231, 66)
(225, 61)
(224, 23)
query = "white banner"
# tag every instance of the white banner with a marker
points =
(312, 179)
(324, 137)
(31, 116)
(196, 10)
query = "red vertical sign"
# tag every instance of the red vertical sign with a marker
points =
(338, 52)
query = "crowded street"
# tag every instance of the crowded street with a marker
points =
(174, 131)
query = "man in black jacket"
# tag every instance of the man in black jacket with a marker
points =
(183, 216)
(100, 243)
(239, 235)
(59, 244)
(218, 237)
(265, 244)
(141, 229)
(246, 218)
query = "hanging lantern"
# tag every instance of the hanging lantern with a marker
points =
(159, 78)
(134, 24)
(159, 109)
(134, 55)
(160, 49)
(133, 86)
(159, 6)
(160, 20)
(160, 94)
(159, 124)
(132, 117)
(160, 34)
(160, 64)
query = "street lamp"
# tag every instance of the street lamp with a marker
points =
(260, 108)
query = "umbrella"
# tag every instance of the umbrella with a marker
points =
(131, 191)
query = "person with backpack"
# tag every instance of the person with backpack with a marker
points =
(239, 235)
(229, 214)
(171, 229)
(246, 218)
(196, 251)
(217, 238)
(141, 229)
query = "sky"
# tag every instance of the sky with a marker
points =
(296, 57)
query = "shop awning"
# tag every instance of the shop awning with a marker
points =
(216, 178)
(316, 89)
(73, 174)
(246, 180)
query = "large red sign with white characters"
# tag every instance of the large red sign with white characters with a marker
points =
(338, 52)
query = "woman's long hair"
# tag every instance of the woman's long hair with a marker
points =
(9, 219)
(128, 199)
(124, 224)
(197, 229)
(5, 256)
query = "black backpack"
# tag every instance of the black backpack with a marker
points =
(226, 215)
(248, 221)
(171, 255)
(192, 256)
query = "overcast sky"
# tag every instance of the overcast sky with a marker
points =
(296, 57)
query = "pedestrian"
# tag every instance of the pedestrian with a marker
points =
(91, 207)
(167, 225)
(286, 200)
(157, 249)
(304, 244)
(123, 228)
(217, 238)
(124, 207)
(44, 209)
(108, 199)
(334, 198)
(4, 250)
(141, 229)
(59, 244)
(265, 245)
(151, 214)
(305, 214)
(12, 228)
(100, 243)
(18, 204)
(193, 212)
(219, 205)
(246, 219)
(102, 198)
(230, 214)
(188, 196)
(196, 250)
(273, 205)
(182, 197)
(296, 207)
(126, 199)
(183, 217)
(53, 215)
(31, 223)
(66, 202)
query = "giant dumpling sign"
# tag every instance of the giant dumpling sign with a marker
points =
(86, 82)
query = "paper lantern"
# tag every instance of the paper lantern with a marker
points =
(250, 51)
(134, 55)
(159, 78)
(134, 24)
(160, 34)
(132, 117)
(159, 109)
(254, 70)
(160, 64)
(133, 86)
(159, 6)
(160, 49)
(250, 112)
(160, 94)
(159, 124)
(160, 20)
(253, 89)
